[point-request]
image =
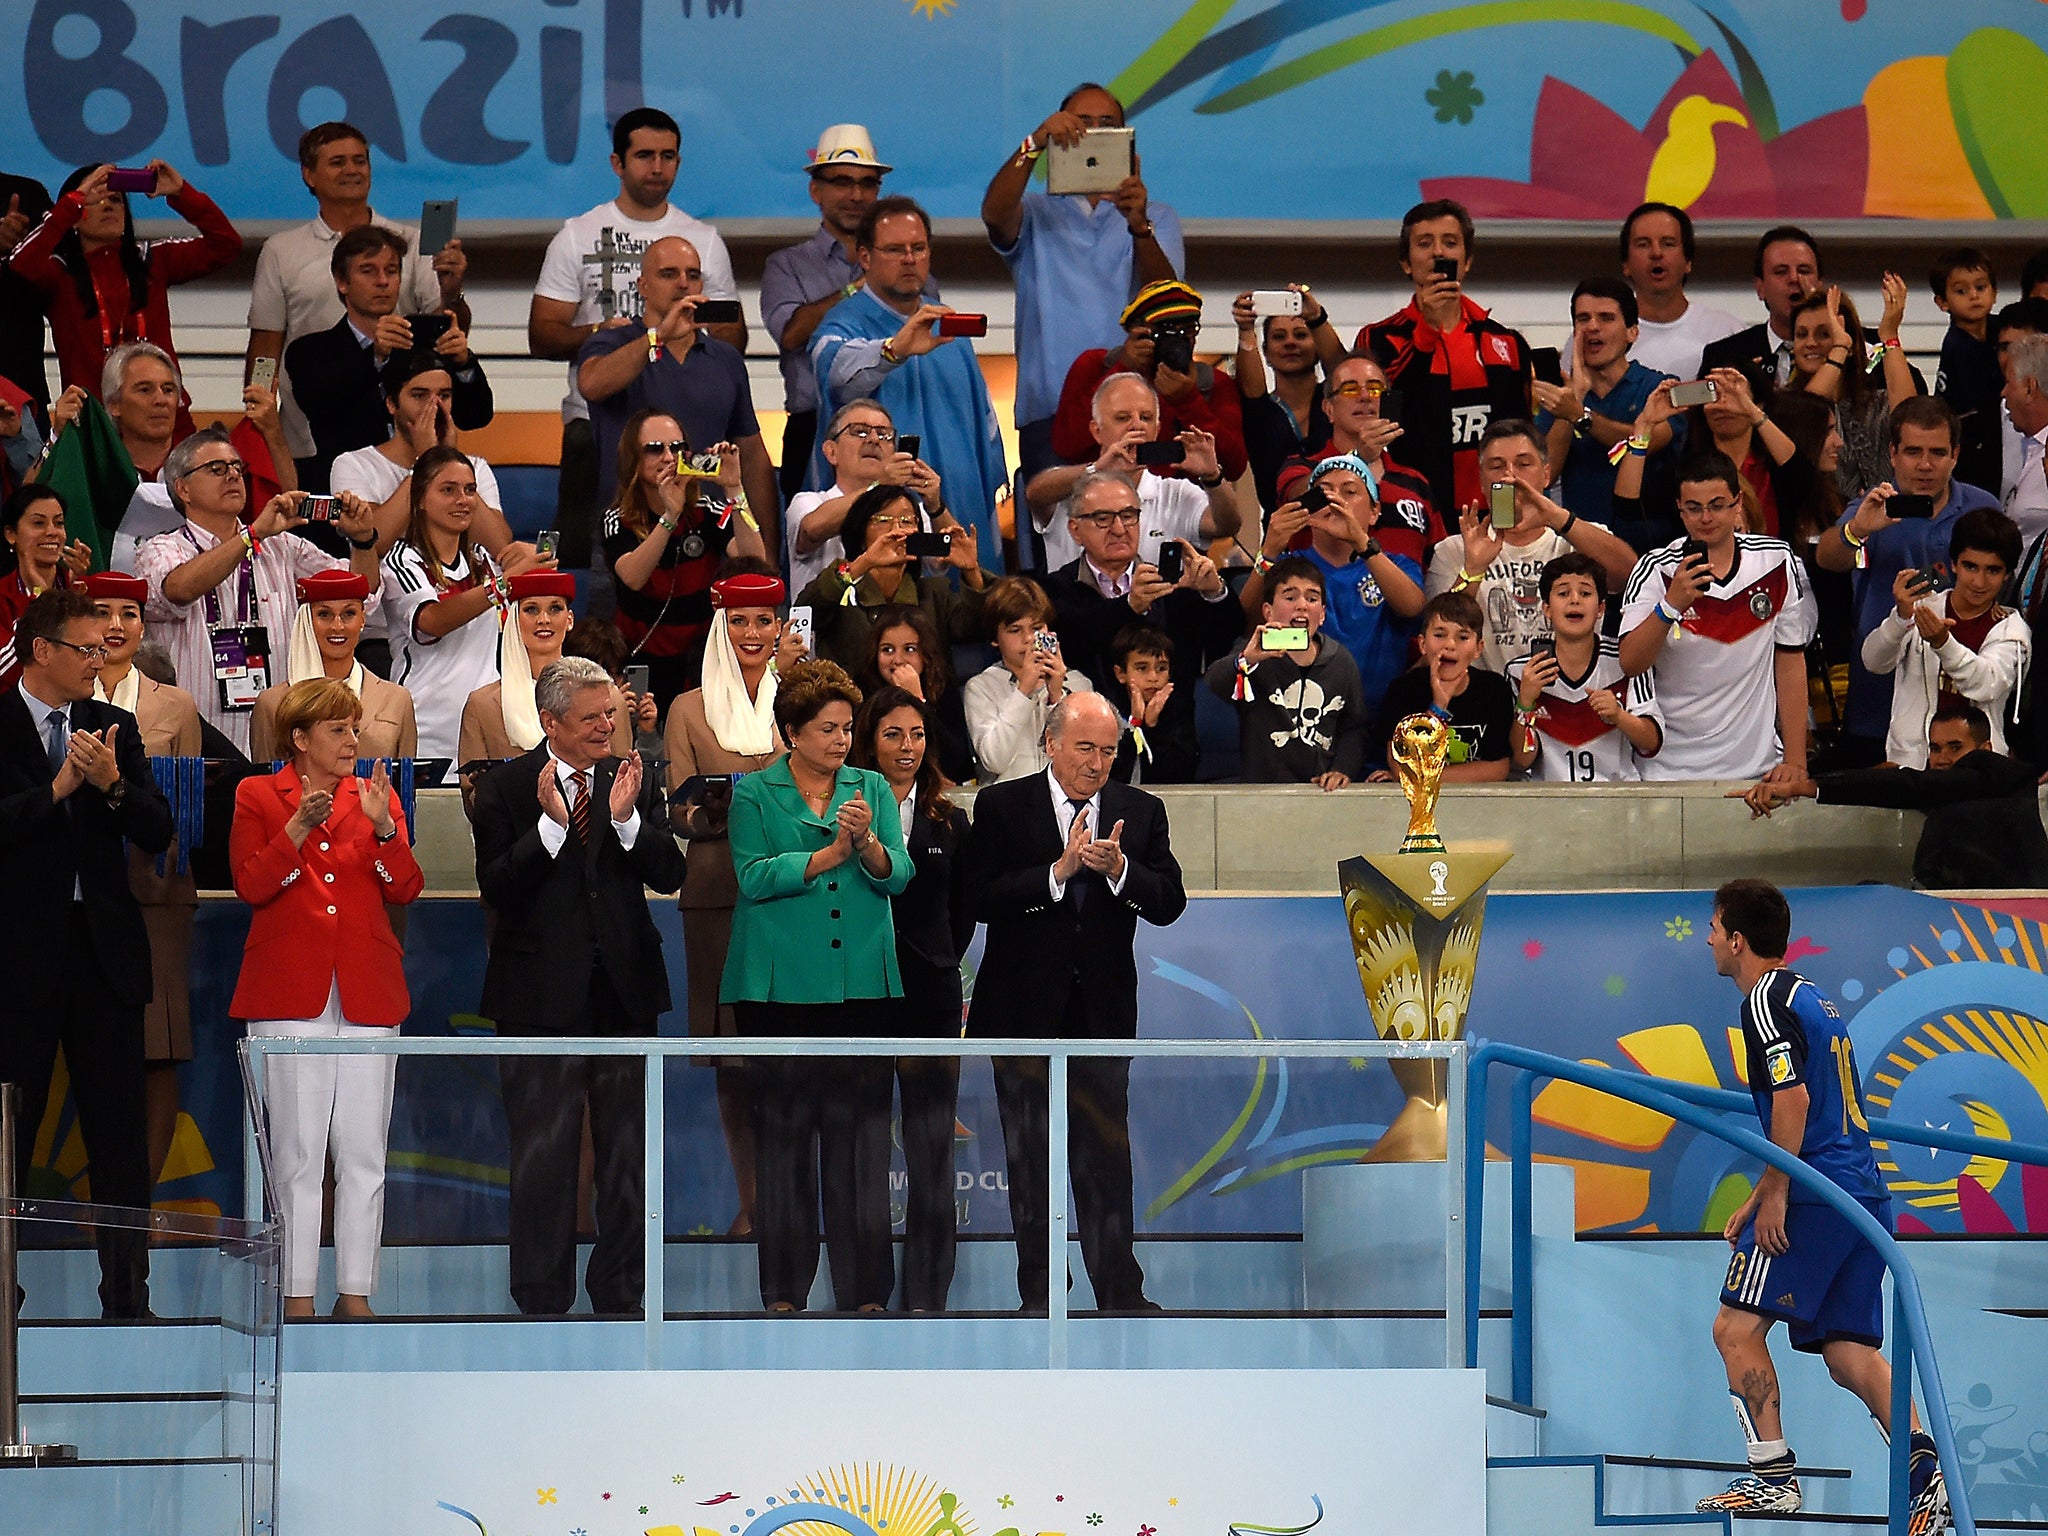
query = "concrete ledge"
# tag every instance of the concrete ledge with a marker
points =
(1274, 838)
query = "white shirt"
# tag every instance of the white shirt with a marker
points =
(295, 293)
(41, 713)
(2026, 494)
(183, 629)
(369, 474)
(567, 277)
(806, 568)
(554, 835)
(1511, 596)
(1006, 724)
(1573, 744)
(1063, 812)
(440, 673)
(1674, 346)
(1989, 677)
(149, 514)
(1168, 509)
(1717, 677)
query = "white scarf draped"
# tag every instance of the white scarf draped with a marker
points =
(303, 662)
(743, 726)
(515, 686)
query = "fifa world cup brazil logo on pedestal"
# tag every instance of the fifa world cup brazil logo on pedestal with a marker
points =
(1415, 918)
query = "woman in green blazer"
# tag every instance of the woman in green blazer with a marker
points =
(818, 851)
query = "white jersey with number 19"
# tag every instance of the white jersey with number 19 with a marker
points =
(1573, 744)
(1717, 677)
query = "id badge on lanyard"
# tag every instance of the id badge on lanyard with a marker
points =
(241, 663)
(241, 649)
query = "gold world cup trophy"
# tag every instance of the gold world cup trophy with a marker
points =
(1415, 918)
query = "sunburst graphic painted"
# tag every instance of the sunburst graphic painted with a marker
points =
(888, 1500)
(932, 10)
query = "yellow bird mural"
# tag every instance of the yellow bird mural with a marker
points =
(1683, 167)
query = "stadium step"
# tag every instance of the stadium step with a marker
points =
(1573, 1495)
(131, 1427)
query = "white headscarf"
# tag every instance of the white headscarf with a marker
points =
(303, 661)
(515, 685)
(743, 726)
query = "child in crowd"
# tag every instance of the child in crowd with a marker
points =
(1007, 705)
(1159, 746)
(1966, 290)
(1959, 646)
(1472, 701)
(1571, 724)
(1301, 709)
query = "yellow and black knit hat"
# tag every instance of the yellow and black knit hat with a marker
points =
(1163, 303)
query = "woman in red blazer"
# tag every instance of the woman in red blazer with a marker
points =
(317, 852)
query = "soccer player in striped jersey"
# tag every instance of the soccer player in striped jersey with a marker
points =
(1579, 719)
(1798, 1260)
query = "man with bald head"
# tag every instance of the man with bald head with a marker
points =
(1200, 508)
(1062, 865)
(671, 364)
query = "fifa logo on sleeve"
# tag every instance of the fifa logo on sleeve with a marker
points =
(1779, 1061)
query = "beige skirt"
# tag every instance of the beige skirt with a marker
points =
(167, 1017)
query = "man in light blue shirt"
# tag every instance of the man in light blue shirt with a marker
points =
(1077, 260)
(883, 343)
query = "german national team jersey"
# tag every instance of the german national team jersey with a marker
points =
(1573, 744)
(1795, 1038)
(1716, 677)
(440, 672)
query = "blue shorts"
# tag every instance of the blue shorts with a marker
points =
(1827, 1284)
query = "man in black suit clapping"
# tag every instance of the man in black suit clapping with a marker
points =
(75, 789)
(566, 842)
(1061, 866)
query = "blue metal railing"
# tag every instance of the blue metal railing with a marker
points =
(1694, 1105)
(1057, 1053)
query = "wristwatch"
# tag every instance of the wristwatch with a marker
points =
(1372, 548)
(356, 543)
(116, 792)
(1140, 234)
(1212, 482)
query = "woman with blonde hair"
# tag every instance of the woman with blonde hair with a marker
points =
(317, 852)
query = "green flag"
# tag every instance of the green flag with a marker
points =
(91, 472)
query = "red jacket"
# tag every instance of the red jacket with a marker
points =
(83, 340)
(319, 908)
(1217, 409)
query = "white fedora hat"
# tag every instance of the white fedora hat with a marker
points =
(846, 144)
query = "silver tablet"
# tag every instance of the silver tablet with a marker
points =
(1099, 163)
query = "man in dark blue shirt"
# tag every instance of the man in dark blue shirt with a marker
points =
(1798, 1259)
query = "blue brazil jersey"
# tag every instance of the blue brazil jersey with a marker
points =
(1795, 1038)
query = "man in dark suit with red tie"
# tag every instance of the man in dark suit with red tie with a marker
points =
(567, 842)
(75, 790)
(1061, 866)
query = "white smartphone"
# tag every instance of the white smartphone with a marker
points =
(1276, 301)
(1099, 163)
(263, 372)
(800, 625)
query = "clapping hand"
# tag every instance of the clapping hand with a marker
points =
(855, 820)
(314, 807)
(95, 757)
(1069, 862)
(374, 794)
(1105, 855)
(78, 558)
(625, 787)
(1894, 307)
(548, 788)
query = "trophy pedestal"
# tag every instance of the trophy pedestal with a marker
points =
(1372, 1234)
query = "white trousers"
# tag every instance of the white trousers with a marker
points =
(322, 1103)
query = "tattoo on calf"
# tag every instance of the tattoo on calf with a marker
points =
(1760, 1390)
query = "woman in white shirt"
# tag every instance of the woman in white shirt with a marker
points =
(1007, 704)
(444, 595)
